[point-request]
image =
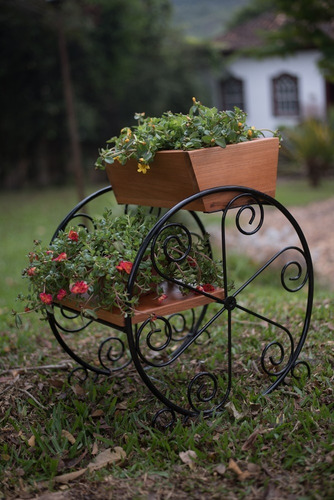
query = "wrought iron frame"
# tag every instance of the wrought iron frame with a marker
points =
(202, 388)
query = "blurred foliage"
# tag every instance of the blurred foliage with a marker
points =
(312, 145)
(124, 57)
(204, 19)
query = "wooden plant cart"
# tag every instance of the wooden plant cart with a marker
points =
(187, 349)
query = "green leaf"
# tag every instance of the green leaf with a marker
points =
(221, 142)
(90, 313)
(18, 321)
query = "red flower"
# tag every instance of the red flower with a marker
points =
(61, 294)
(73, 235)
(49, 252)
(61, 256)
(162, 298)
(124, 266)
(31, 271)
(79, 287)
(46, 298)
(32, 256)
(208, 288)
(200, 289)
(191, 261)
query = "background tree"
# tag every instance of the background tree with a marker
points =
(308, 24)
(124, 56)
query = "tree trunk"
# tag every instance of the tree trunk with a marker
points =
(71, 116)
(313, 173)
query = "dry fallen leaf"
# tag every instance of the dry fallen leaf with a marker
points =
(236, 469)
(32, 441)
(220, 469)
(57, 383)
(78, 390)
(188, 458)
(107, 457)
(253, 468)
(68, 436)
(232, 409)
(70, 476)
(97, 413)
(95, 449)
(250, 440)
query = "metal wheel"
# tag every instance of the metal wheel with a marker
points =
(196, 376)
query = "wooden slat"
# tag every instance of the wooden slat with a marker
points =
(149, 305)
(252, 164)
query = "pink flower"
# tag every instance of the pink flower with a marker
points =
(162, 298)
(79, 287)
(61, 256)
(61, 294)
(46, 298)
(73, 235)
(31, 271)
(124, 266)
(205, 288)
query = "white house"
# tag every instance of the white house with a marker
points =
(273, 91)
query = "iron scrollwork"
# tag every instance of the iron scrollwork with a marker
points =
(168, 344)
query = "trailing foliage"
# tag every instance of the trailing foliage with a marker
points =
(93, 267)
(202, 127)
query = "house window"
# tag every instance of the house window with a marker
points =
(232, 93)
(285, 95)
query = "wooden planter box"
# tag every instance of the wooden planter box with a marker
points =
(176, 175)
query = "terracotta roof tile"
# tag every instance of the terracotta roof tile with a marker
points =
(248, 34)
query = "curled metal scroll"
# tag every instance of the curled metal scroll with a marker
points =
(84, 216)
(80, 375)
(72, 315)
(251, 219)
(112, 351)
(183, 246)
(164, 419)
(301, 363)
(154, 346)
(274, 361)
(176, 247)
(296, 277)
(202, 389)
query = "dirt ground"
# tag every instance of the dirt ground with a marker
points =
(316, 221)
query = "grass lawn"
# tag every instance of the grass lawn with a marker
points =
(296, 193)
(96, 440)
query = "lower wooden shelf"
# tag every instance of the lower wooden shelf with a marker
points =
(149, 305)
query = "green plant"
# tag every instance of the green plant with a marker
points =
(93, 267)
(311, 145)
(202, 127)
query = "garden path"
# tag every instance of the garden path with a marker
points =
(317, 223)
